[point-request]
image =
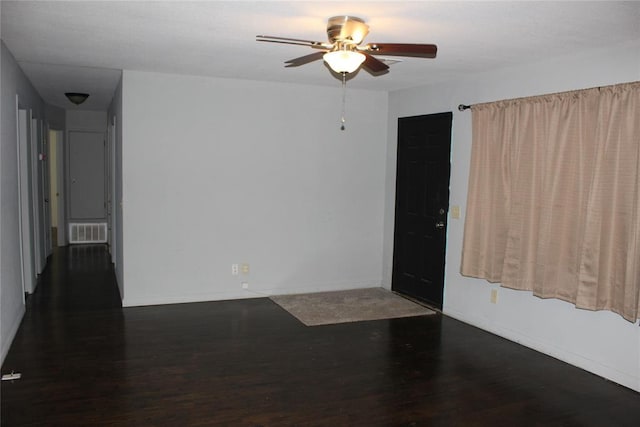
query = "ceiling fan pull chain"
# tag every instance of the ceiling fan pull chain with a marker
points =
(344, 99)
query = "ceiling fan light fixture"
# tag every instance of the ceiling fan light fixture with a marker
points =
(344, 61)
(76, 97)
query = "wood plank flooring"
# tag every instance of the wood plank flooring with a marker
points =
(86, 361)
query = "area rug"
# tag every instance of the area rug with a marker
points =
(325, 308)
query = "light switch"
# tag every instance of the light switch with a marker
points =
(455, 212)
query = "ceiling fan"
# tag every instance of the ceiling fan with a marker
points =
(344, 52)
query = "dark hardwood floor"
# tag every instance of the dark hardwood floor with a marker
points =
(85, 361)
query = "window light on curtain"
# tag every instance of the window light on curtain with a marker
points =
(554, 197)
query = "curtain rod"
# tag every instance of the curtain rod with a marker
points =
(463, 107)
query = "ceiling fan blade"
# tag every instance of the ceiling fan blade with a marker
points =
(304, 59)
(374, 65)
(287, 40)
(402, 49)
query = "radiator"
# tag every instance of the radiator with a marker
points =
(87, 232)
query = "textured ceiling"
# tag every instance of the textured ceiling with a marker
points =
(81, 46)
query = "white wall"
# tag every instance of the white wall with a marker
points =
(222, 171)
(11, 299)
(115, 113)
(601, 342)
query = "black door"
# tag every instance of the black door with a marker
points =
(422, 203)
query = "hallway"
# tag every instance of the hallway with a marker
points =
(85, 361)
(77, 278)
(71, 328)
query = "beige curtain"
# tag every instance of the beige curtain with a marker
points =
(554, 197)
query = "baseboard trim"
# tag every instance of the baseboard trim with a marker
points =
(605, 371)
(263, 291)
(8, 340)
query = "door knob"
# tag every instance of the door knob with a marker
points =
(440, 224)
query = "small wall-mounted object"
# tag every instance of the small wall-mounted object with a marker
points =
(494, 296)
(12, 376)
(455, 212)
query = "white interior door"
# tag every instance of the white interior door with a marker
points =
(87, 194)
(46, 193)
(36, 183)
(24, 196)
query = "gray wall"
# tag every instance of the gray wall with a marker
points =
(56, 117)
(11, 299)
(82, 120)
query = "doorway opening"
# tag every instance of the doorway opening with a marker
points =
(56, 188)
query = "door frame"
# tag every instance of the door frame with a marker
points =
(29, 197)
(24, 221)
(111, 184)
(35, 192)
(46, 187)
(58, 176)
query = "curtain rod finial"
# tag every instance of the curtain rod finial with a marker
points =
(463, 107)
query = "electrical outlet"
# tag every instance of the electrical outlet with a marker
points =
(234, 269)
(245, 285)
(245, 268)
(494, 296)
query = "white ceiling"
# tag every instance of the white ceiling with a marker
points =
(81, 46)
